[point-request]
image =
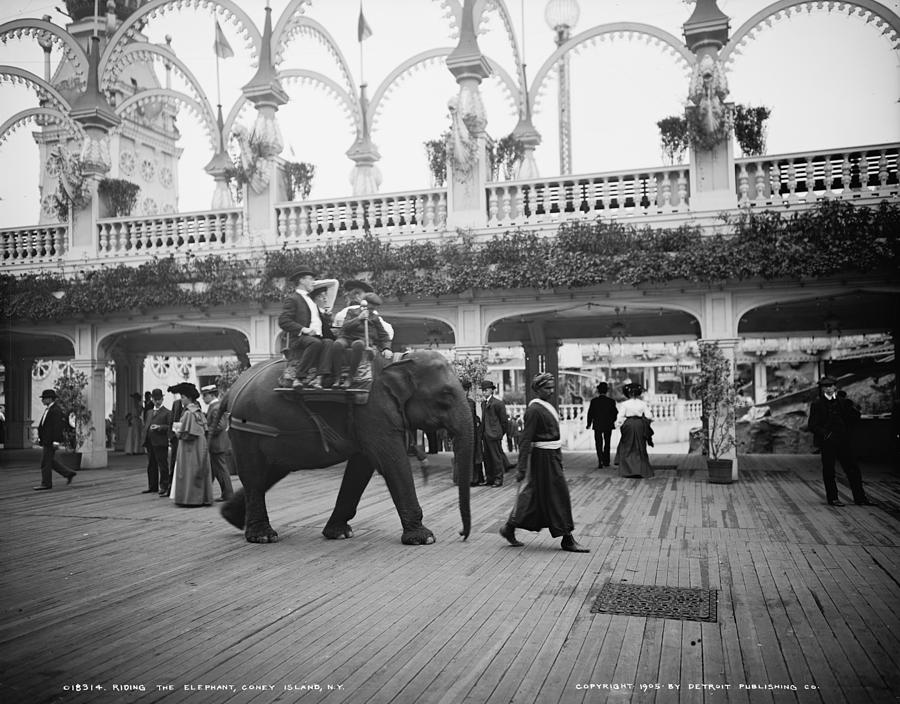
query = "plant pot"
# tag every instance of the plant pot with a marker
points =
(719, 471)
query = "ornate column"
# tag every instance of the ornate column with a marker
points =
(87, 360)
(92, 110)
(709, 116)
(265, 143)
(129, 379)
(264, 332)
(561, 17)
(760, 381)
(17, 391)
(365, 178)
(467, 164)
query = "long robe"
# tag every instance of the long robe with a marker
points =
(631, 454)
(192, 483)
(543, 500)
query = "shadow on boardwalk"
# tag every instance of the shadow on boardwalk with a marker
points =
(105, 589)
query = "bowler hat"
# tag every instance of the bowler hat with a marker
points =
(487, 384)
(156, 393)
(373, 299)
(300, 273)
(356, 283)
(827, 381)
(48, 393)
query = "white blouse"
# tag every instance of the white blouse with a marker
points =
(633, 408)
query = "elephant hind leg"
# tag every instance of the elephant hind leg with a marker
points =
(357, 474)
(235, 509)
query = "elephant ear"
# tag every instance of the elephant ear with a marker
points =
(398, 381)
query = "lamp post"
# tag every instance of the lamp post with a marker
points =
(561, 17)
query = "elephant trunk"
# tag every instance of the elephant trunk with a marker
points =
(463, 432)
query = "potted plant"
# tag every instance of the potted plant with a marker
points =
(119, 196)
(70, 395)
(673, 138)
(750, 128)
(505, 155)
(436, 151)
(716, 391)
(298, 177)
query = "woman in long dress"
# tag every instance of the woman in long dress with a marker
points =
(192, 483)
(634, 424)
(134, 436)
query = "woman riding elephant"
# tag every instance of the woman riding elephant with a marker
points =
(274, 433)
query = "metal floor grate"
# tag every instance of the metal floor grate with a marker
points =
(677, 603)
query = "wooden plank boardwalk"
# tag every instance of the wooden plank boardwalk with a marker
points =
(114, 596)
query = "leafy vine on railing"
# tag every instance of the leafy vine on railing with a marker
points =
(832, 238)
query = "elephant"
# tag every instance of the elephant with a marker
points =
(275, 432)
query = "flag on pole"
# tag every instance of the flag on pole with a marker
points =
(221, 46)
(364, 31)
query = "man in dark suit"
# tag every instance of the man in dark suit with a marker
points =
(302, 323)
(602, 417)
(830, 420)
(494, 425)
(218, 441)
(156, 442)
(51, 434)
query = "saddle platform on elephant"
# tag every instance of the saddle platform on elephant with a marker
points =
(357, 397)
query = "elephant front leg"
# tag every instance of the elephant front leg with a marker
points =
(400, 483)
(356, 478)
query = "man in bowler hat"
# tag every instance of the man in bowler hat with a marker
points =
(602, 416)
(494, 425)
(301, 320)
(156, 442)
(830, 421)
(51, 434)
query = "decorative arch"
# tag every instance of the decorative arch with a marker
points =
(869, 10)
(14, 74)
(422, 60)
(127, 31)
(650, 34)
(142, 52)
(348, 103)
(304, 26)
(168, 95)
(35, 115)
(40, 29)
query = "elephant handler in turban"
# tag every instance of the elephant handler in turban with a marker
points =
(543, 500)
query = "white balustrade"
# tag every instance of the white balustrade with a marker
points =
(807, 177)
(609, 195)
(204, 232)
(41, 243)
(383, 215)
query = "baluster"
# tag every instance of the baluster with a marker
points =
(492, 205)
(828, 178)
(743, 187)
(810, 180)
(303, 223)
(518, 204)
(291, 233)
(760, 198)
(358, 214)
(883, 174)
(846, 176)
(666, 204)
(103, 243)
(652, 185)
(442, 209)
(775, 181)
(683, 203)
(506, 208)
(792, 182)
(864, 172)
(429, 212)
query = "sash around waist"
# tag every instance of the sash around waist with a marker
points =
(547, 444)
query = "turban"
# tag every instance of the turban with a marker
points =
(542, 380)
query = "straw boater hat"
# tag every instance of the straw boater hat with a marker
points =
(210, 389)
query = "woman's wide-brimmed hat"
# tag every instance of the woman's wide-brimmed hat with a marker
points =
(357, 284)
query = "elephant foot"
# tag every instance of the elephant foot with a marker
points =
(261, 534)
(234, 511)
(419, 536)
(338, 532)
